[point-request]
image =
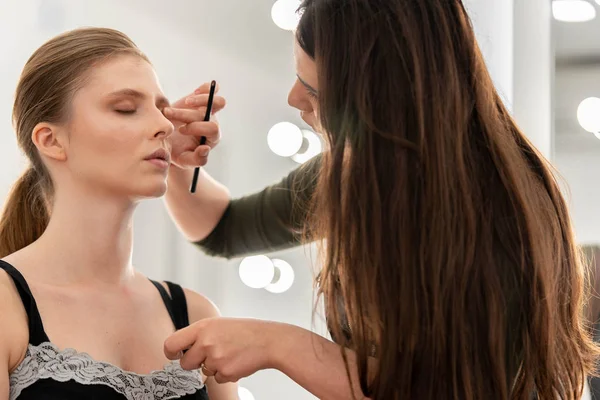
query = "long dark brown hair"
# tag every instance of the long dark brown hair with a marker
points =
(445, 231)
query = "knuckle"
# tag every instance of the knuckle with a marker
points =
(170, 346)
(226, 372)
(214, 348)
(217, 355)
(187, 363)
(201, 342)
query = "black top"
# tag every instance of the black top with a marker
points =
(52, 374)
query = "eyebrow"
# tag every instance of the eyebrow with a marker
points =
(306, 85)
(161, 101)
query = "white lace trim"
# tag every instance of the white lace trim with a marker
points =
(47, 361)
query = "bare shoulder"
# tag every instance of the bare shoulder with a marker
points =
(200, 306)
(14, 334)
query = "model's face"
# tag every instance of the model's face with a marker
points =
(117, 133)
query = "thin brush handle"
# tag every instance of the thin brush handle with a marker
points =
(211, 96)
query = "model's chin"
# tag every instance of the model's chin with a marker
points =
(153, 190)
(160, 190)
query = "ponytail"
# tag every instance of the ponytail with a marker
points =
(26, 214)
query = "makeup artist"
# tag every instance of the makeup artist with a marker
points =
(450, 270)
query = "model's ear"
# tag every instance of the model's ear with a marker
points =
(49, 140)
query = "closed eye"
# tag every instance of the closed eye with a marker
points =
(126, 111)
(312, 92)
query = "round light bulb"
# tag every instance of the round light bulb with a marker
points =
(313, 147)
(573, 10)
(245, 394)
(284, 277)
(257, 271)
(588, 114)
(285, 139)
(285, 15)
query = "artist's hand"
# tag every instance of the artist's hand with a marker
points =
(187, 115)
(228, 349)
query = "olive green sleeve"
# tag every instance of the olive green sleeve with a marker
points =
(270, 220)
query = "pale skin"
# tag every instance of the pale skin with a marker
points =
(232, 349)
(90, 296)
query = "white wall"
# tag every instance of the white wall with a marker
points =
(577, 153)
(533, 71)
(493, 22)
(580, 172)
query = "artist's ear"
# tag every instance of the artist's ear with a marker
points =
(50, 140)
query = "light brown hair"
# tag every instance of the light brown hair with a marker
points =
(447, 240)
(592, 306)
(48, 82)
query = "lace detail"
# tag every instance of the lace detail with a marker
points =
(47, 361)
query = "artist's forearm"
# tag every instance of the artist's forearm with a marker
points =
(316, 364)
(196, 215)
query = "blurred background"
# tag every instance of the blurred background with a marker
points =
(543, 55)
(576, 108)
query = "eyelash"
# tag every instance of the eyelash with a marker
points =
(312, 95)
(126, 112)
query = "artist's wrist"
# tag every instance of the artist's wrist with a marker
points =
(179, 174)
(178, 181)
(284, 341)
(176, 168)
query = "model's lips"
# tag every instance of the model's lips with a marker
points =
(160, 158)
(160, 154)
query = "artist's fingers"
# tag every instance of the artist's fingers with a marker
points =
(183, 115)
(201, 100)
(196, 158)
(181, 340)
(208, 369)
(221, 378)
(194, 357)
(205, 88)
(210, 130)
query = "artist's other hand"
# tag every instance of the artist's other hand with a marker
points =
(228, 349)
(187, 115)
